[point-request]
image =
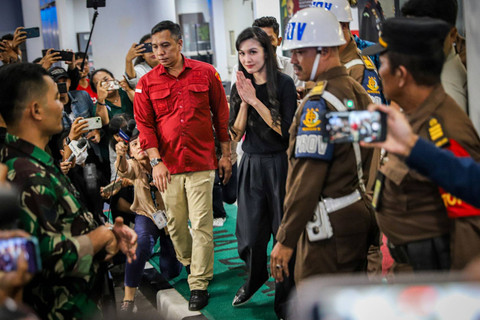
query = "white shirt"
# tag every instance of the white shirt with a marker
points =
(454, 79)
(141, 69)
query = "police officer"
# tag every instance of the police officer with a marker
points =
(322, 175)
(412, 211)
(361, 68)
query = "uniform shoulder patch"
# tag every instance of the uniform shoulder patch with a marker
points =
(319, 88)
(368, 63)
(436, 133)
(217, 75)
(309, 142)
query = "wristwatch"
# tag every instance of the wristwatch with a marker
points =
(155, 161)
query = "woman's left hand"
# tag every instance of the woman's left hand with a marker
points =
(245, 89)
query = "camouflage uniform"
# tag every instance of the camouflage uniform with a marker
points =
(66, 286)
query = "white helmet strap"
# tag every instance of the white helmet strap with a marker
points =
(315, 64)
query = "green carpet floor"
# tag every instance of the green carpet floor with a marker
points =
(229, 275)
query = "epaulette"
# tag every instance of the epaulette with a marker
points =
(319, 88)
(368, 63)
(436, 133)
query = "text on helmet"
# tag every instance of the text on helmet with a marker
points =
(298, 27)
(322, 4)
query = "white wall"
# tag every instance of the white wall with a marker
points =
(31, 17)
(238, 15)
(220, 44)
(472, 25)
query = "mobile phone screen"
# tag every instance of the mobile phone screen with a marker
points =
(354, 126)
(11, 249)
(148, 47)
(62, 87)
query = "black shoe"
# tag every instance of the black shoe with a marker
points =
(242, 297)
(198, 300)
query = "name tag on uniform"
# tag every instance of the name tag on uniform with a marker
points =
(309, 142)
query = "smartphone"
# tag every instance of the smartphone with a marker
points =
(354, 126)
(11, 249)
(32, 32)
(93, 122)
(64, 55)
(110, 85)
(62, 87)
(147, 46)
(112, 186)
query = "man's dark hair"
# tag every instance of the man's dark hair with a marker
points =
(425, 69)
(7, 36)
(173, 27)
(445, 10)
(81, 55)
(267, 22)
(19, 83)
(92, 84)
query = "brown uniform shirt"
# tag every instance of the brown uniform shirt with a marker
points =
(309, 179)
(411, 208)
(351, 53)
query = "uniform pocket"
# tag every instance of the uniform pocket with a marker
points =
(160, 101)
(199, 94)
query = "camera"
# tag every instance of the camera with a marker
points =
(64, 55)
(11, 249)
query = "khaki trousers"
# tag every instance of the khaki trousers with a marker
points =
(189, 197)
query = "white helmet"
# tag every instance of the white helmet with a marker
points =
(313, 27)
(340, 8)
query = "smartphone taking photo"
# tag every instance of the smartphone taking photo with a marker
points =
(64, 55)
(93, 123)
(32, 32)
(147, 46)
(11, 249)
(354, 126)
(62, 87)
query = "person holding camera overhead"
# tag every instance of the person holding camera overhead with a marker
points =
(114, 96)
(149, 208)
(145, 60)
(263, 103)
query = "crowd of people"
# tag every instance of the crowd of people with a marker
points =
(163, 160)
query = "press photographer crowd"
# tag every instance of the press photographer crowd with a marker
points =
(356, 156)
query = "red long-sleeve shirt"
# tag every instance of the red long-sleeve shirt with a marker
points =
(174, 114)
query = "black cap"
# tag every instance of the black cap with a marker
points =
(420, 36)
(58, 73)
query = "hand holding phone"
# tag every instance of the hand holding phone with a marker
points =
(147, 46)
(112, 186)
(32, 32)
(93, 122)
(354, 126)
(110, 85)
(64, 55)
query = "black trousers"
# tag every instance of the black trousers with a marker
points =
(261, 191)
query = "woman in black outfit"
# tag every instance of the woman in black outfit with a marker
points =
(263, 103)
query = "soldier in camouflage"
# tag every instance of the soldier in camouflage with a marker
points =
(72, 242)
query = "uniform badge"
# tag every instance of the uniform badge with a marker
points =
(368, 63)
(373, 85)
(436, 134)
(309, 142)
(218, 76)
(319, 88)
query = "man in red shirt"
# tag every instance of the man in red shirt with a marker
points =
(174, 106)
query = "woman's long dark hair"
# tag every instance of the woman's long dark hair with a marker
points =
(140, 59)
(272, 75)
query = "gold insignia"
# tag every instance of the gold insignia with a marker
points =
(382, 42)
(319, 87)
(373, 85)
(312, 120)
(368, 63)
(436, 133)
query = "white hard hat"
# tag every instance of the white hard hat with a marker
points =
(313, 27)
(340, 8)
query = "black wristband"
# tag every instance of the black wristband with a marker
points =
(102, 104)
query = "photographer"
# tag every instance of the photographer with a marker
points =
(144, 61)
(147, 204)
(10, 46)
